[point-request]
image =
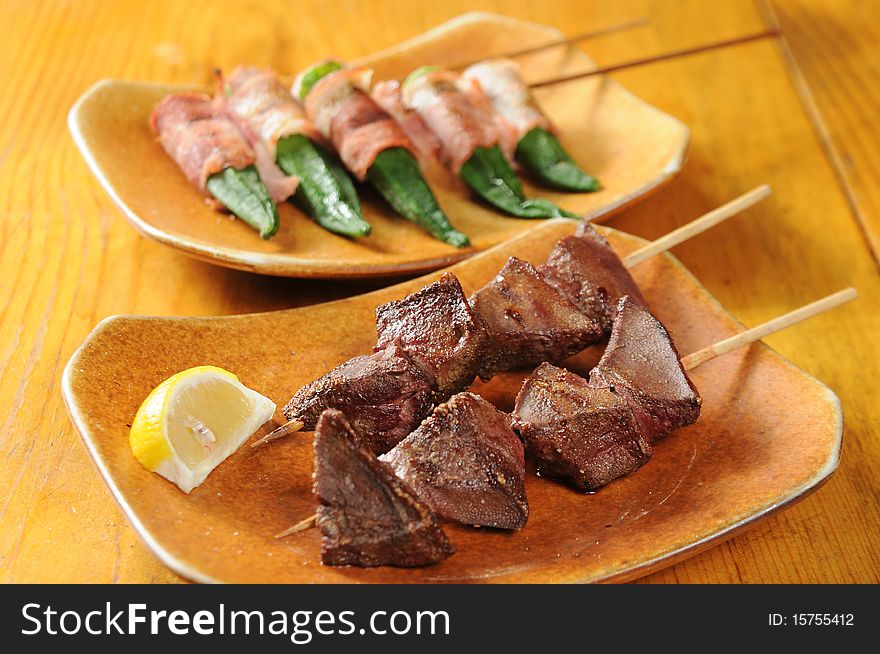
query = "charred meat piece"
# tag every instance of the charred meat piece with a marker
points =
(367, 516)
(384, 396)
(437, 328)
(467, 464)
(642, 364)
(529, 321)
(587, 271)
(585, 435)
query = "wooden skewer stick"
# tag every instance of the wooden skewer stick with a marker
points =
(302, 525)
(701, 356)
(662, 244)
(285, 429)
(675, 54)
(770, 327)
(698, 226)
(611, 29)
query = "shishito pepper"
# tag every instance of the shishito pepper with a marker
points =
(325, 191)
(540, 153)
(491, 177)
(394, 172)
(244, 194)
(537, 150)
(449, 111)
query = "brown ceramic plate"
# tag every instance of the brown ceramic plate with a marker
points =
(632, 147)
(769, 434)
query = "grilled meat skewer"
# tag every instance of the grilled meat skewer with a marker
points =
(592, 432)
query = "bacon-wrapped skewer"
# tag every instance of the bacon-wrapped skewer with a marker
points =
(371, 144)
(216, 157)
(536, 147)
(284, 139)
(474, 141)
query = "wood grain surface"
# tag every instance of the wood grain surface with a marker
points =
(68, 259)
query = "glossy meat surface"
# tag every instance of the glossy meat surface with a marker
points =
(368, 516)
(588, 272)
(528, 321)
(575, 432)
(438, 329)
(467, 464)
(383, 395)
(642, 364)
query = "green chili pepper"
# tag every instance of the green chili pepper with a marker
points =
(325, 191)
(244, 194)
(541, 154)
(311, 76)
(398, 178)
(491, 177)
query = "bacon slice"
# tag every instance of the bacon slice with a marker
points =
(459, 124)
(388, 96)
(199, 136)
(502, 83)
(342, 110)
(260, 105)
(263, 102)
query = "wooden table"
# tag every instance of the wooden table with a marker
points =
(800, 115)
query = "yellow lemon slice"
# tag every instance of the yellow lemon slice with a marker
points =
(193, 421)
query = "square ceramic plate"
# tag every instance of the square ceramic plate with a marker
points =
(632, 147)
(769, 434)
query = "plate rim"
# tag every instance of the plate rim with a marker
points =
(191, 573)
(286, 265)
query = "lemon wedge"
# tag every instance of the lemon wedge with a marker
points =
(193, 421)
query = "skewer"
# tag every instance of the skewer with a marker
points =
(302, 525)
(708, 353)
(611, 29)
(285, 429)
(673, 238)
(770, 327)
(675, 54)
(698, 226)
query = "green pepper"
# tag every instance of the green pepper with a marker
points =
(491, 177)
(396, 175)
(242, 192)
(325, 191)
(398, 178)
(541, 154)
(311, 76)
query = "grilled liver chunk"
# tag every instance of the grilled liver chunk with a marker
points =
(367, 516)
(436, 327)
(642, 364)
(588, 272)
(466, 463)
(575, 432)
(384, 396)
(529, 321)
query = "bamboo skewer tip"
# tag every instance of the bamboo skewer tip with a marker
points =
(698, 226)
(287, 428)
(770, 327)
